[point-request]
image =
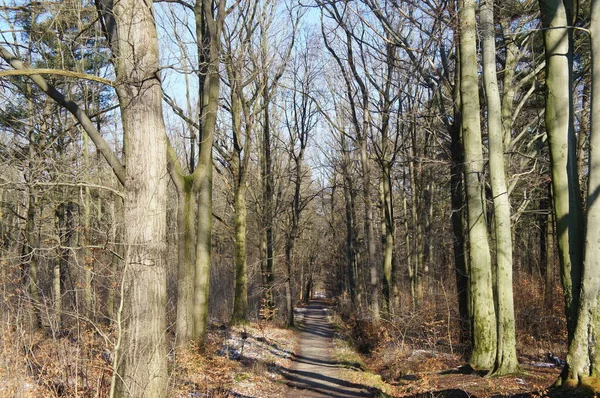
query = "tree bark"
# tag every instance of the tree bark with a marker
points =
(86, 261)
(194, 190)
(484, 318)
(350, 226)
(186, 256)
(556, 16)
(240, 299)
(268, 261)
(506, 354)
(583, 358)
(29, 261)
(388, 233)
(203, 251)
(141, 357)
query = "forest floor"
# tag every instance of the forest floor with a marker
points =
(320, 357)
(393, 372)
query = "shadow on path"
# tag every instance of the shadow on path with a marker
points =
(314, 371)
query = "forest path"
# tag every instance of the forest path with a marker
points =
(315, 373)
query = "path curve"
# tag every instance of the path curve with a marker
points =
(314, 372)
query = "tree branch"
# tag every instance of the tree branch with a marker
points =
(67, 73)
(75, 110)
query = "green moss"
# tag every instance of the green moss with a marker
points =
(241, 377)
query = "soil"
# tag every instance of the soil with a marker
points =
(314, 372)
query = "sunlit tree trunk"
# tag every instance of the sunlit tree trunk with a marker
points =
(209, 17)
(556, 16)
(141, 357)
(194, 190)
(484, 318)
(506, 356)
(583, 358)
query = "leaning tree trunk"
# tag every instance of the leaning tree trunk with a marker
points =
(506, 356)
(484, 318)
(559, 117)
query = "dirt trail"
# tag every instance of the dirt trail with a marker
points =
(315, 373)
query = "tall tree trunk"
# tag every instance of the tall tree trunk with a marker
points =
(350, 226)
(240, 299)
(209, 25)
(365, 162)
(29, 261)
(556, 16)
(583, 358)
(374, 284)
(65, 229)
(583, 134)
(186, 257)
(350, 245)
(86, 260)
(457, 200)
(484, 318)
(506, 356)
(416, 251)
(116, 238)
(289, 298)
(194, 190)
(203, 252)
(549, 248)
(388, 233)
(58, 268)
(461, 269)
(141, 357)
(268, 262)
(410, 258)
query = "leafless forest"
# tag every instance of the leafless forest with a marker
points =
(178, 172)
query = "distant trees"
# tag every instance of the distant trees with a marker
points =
(349, 161)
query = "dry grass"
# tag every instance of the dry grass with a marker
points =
(417, 352)
(77, 363)
(238, 361)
